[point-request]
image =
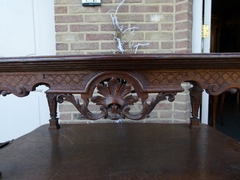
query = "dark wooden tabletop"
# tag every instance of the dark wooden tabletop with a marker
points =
(122, 151)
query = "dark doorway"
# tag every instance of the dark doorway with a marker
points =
(225, 37)
(226, 26)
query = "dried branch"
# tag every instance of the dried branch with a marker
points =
(121, 34)
(137, 45)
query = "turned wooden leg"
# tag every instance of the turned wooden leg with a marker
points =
(196, 100)
(52, 103)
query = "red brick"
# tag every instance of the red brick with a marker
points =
(154, 36)
(97, 18)
(164, 106)
(158, 1)
(130, 17)
(182, 97)
(66, 2)
(61, 28)
(83, 28)
(65, 116)
(84, 46)
(61, 46)
(181, 115)
(110, 27)
(122, 9)
(181, 106)
(177, 1)
(69, 37)
(167, 45)
(129, 1)
(146, 27)
(167, 8)
(68, 19)
(66, 107)
(166, 114)
(181, 35)
(183, 51)
(168, 27)
(182, 7)
(182, 16)
(79, 9)
(181, 44)
(182, 26)
(97, 37)
(106, 1)
(145, 8)
(109, 45)
(60, 9)
(137, 36)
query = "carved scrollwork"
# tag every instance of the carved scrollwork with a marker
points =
(212, 89)
(115, 98)
(147, 108)
(18, 91)
(5, 93)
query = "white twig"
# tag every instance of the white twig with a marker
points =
(120, 33)
(130, 29)
(120, 45)
(137, 45)
(119, 7)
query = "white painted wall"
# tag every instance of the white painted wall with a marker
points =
(26, 29)
(197, 26)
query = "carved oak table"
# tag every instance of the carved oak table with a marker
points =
(121, 80)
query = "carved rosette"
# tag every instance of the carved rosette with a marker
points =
(115, 97)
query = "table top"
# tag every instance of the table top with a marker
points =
(122, 151)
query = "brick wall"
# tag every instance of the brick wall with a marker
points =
(164, 24)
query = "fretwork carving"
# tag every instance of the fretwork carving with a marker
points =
(214, 82)
(15, 83)
(115, 97)
(70, 79)
(147, 73)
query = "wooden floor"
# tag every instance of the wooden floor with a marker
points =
(122, 151)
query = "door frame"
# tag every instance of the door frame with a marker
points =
(201, 15)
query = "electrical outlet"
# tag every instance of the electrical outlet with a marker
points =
(91, 2)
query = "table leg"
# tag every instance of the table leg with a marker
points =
(52, 103)
(196, 100)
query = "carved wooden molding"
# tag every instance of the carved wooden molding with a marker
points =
(144, 73)
(116, 96)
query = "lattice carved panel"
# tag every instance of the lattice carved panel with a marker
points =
(75, 79)
(214, 82)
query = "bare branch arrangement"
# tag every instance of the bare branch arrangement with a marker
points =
(123, 36)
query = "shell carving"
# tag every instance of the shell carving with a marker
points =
(116, 94)
(115, 97)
